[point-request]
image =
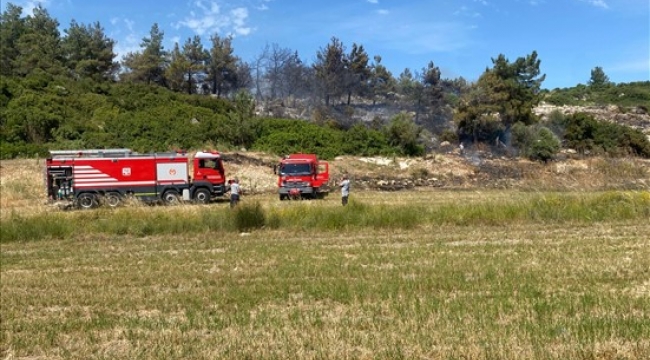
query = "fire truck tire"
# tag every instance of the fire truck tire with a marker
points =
(170, 197)
(202, 196)
(282, 197)
(87, 201)
(113, 199)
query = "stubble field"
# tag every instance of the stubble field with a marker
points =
(414, 275)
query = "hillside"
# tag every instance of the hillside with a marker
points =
(455, 171)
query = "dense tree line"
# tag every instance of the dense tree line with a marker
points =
(70, 91)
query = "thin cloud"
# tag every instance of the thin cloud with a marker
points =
(208, 18)
(373, 1)
(239, 17)
(29, 6)
(597, 3)
(413, 37)
(125, 43)
(383, 12)
(632, 66)
(465, 11)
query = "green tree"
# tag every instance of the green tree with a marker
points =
(222, 66)
(330, 67)
(149, 65)
(381, 80)
(12, 27)
(175, 72)
(196, 57)
(242, 128)
(357, 71)
(598, 77)
(89, 52)
(432, 84)
(32, 117)
(413, 89)
(507, 92)
(39, 47)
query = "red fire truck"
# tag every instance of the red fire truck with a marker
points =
(302, 176)
(88, 178)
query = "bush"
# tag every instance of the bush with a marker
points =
(281, 136)
(535, 142)
(585, 133)
(22, 150)
(450, 136)
(544, 146)
(403, 134)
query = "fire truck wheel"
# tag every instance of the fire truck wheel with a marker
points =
(202, 196)
(282, 197)
(170, 197)
(87, 201)
(113, 199)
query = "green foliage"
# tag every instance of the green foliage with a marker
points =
(506, 94)
(623, 94)
(148, 65)
(242, 126)
(62, 92)
(544, 146)
(10, 150)
(598, 77)
(403, 134)
(535, 142)
(281, 136)
(584, 133)
(361, 140)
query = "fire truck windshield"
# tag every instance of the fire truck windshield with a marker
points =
(209, 164)
(295, 169)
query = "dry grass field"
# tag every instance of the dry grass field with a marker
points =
(428, 274)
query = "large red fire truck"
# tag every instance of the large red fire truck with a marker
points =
(302, 176)
(88, 178)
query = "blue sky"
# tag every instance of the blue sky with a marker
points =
(571, 37)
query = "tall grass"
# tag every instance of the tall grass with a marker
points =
(145, 221)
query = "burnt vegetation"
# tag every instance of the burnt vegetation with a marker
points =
(68, 90)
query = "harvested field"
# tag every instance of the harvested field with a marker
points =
(464, 274)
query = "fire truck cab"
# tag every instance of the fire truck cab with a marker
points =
(302, 176)
(88, 178)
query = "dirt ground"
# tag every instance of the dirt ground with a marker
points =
(22, 182)
(454, 170)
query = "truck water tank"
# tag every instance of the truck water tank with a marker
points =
(186, 194)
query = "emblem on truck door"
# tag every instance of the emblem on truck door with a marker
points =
(126, 171)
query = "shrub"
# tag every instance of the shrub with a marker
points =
(449, 135)
(281, 136)
(584, 132)
(535, 142)
(544, 146)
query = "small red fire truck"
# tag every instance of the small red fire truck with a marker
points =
(88, 178)
(302, 176)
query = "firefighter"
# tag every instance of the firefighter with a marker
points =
(234, 192)
(345, 190)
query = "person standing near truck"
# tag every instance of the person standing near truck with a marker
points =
(345, 190)
(234, 192)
